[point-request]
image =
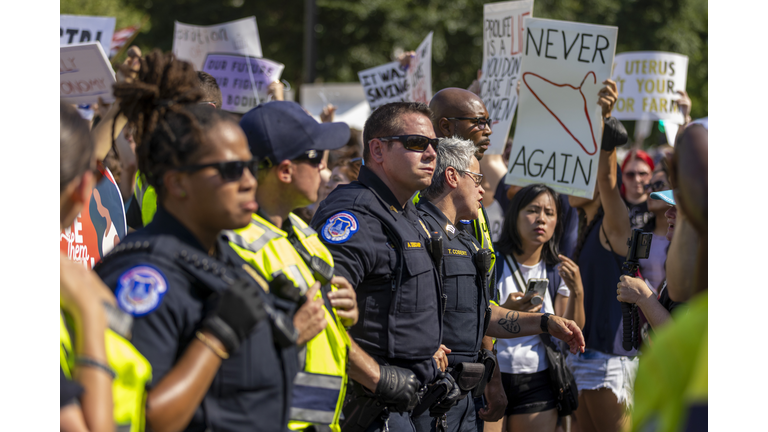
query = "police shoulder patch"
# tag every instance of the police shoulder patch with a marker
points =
(140, 290)
(340, 227)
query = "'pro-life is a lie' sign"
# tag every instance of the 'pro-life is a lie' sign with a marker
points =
(503, 37)
(648, 82)
(559, 123)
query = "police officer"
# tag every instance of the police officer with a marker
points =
(290, 144)
(456, 194)
(379, 244)
(222, 350)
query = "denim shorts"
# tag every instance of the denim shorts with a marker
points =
(594, 370)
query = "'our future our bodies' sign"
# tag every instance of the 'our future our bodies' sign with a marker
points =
(503, 36)
(393, 83)
(243, 80)
(648, 83)
(192, 43)
(559, 123)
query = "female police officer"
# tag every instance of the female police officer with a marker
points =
(222, 352)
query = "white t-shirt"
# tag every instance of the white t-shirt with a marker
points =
(524, 355)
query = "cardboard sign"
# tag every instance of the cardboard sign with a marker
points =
(193, 43)
(85, 74)
(648, 82)
(77, 29)
(559, 123)
(392, 82)
(99, 226)
(503, 37)
(349, 99)
(243, 80)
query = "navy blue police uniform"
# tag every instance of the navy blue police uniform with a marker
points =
(380, 247)
(467, 305)
(163, 277)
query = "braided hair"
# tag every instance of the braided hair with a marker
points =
(162, 104)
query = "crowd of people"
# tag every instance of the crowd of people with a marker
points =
(283, 273)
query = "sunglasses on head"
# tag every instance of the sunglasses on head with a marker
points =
(656, 186)
(312, 157)
(417, 143)
(229, 171)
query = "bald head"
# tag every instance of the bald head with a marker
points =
(450, 103)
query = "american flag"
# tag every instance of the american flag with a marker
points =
(120, 37)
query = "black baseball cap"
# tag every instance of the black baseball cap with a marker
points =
(281, 130)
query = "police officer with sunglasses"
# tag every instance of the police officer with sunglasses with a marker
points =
(380, 245)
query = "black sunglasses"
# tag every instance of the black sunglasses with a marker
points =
(229, 171)
(417, 143)
(312, 157)
(656, 186)
(481, 122)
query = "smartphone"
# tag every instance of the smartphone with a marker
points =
(539, 287)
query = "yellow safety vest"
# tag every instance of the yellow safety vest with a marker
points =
(671, 384)
(133, 373)
(146, 198)
(320, 385)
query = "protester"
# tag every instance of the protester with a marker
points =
(211, 91)
(652, 269)
(199, 317)
(289, 143)
(636, 174)
(528, 244)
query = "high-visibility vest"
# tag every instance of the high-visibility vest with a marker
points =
(320, 385)
(146, 198)
(133, 373)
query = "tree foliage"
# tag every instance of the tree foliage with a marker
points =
(353, 35)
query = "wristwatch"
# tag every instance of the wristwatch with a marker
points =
(544, 321)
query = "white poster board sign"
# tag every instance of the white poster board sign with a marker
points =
(348, 98)
(559, 123)
(86, 74)
(392, 82)
(503, 37)
(193, 43)
(648, 82)
(77, 29)
(243, 80)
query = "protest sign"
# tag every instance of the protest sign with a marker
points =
(193, 43)
(349, 99)
(648, 82)
(85, 74)
(559, 123)
(77, 29)
(243, 80)
(392, 82)
(99, 227)
(503, 35)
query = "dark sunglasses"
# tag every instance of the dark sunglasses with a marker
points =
(656, 186)
(229, 171)
(632, 174)
(312, 157)
(417, 143)
(481, 122)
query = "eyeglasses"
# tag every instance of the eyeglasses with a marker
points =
(481, 122)
(656, 186)
(477, 177)
(641, 174)
(229, 171)
(417, 143)
(312, 157)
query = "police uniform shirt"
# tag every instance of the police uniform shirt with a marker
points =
(467, 300)
(251, 389)
(380, 248)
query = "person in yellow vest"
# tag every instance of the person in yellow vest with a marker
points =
(290, 145)
(103, 377)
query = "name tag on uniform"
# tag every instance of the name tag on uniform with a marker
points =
(458, 252)
(413, 245)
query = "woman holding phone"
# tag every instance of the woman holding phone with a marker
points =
(528, 243)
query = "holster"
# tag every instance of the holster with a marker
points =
(489, 362)
(469, 376)
(434, 394)
(360, 412)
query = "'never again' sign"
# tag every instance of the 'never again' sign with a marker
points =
(559, 123)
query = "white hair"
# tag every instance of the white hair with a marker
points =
(451, 152)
